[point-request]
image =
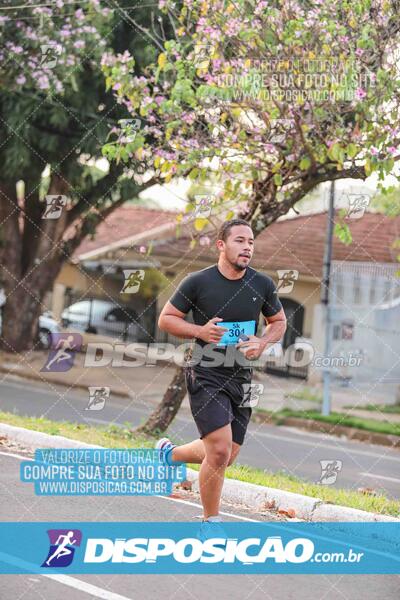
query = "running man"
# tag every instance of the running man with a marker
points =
(226, 300)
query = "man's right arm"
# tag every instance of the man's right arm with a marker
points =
(173, 320)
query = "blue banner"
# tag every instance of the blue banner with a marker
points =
(200, 548)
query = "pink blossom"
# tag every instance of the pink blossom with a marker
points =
(392, 150)
(188, 118)
(360, 93)
(106, 60)
(204, 240)
(374, 151)
(117, 86)
(242, 206)
(79, 44)
(260, 7)
(147, 100)
(21, 79)
(232, 27)
(43, 82)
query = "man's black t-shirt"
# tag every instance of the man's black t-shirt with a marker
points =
(210, 294)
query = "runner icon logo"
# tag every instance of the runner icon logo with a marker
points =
(133, 279)
(62, 547)
(62, 353)
(55, 205)
(329, 471)
(287, 278)
(50, 54)
(251, 394)
(357, 205)
(97, 397)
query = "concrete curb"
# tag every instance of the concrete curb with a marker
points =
(256, 497)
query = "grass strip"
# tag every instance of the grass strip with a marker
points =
(334, 418)
(122, 437)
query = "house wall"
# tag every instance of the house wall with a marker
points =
(306, 293)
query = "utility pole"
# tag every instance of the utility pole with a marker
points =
(326, 371)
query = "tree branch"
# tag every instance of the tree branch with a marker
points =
(271, 210)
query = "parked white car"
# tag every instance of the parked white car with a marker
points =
(47, 326)
(103, 318)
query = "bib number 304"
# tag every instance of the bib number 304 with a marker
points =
(235, 330)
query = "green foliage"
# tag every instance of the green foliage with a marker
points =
(342, 231)
(214, 103)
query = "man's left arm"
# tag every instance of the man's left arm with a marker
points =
(255, 346)
(276, 327)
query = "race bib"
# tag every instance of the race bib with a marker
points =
(235, 328)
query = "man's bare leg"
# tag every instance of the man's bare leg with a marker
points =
(218, 449)
(194, 452)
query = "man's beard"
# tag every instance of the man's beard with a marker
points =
(238, 267)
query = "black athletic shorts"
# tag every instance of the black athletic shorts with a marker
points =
(217, 398)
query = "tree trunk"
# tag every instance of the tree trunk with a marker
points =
(164, 414)
(31, 259)
(20, 314)
(24, 305)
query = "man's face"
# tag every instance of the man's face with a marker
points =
(238, 247)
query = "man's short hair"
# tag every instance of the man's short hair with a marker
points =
(225, 228)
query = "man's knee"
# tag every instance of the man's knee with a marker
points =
(219, 455)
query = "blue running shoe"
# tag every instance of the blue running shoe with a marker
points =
(210, 530)
(166, 447)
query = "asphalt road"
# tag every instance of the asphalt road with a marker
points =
(266, 447)
(18, 503)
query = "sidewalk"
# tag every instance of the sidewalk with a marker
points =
(150, 383)
(277, 390)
